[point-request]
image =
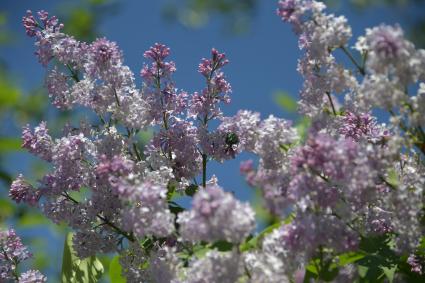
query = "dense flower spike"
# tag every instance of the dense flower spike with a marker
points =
(215, 267)
(331, 190)
(151, 215)
(205, 105)
(38, 142)
(21, 191)
(216, 215)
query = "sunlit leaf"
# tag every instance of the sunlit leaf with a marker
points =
(9, 93)
(115, 270)
(350, 257)
(32, 219)
(75, 270)
(253, 243)
(6, 210)
(389, 273)
(10, 144)
(284, 100)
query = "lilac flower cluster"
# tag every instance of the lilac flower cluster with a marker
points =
(348, 180)
(12, 253)
(216, 215)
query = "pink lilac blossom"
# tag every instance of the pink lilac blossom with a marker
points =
(163, 98)
(12, 253)
(318, 231)
(89, 243)
(358, 126)
(38, 142)
(215, 267)
(216, 215)
(179, 144)
(204, 105)
(164, 265)
(415, 264)
(148, 213)
(21, 191)
(32, 276)
(264, 267)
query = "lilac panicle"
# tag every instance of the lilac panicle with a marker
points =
(38, 142)
(216, 215)
(204, 105)
(21, 191)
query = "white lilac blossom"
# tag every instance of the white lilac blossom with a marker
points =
(216, 215)
(346, 181)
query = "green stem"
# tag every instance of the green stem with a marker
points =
(74, 75)
(204, 170)
(360, 68)
(130, 237)
(332, 103)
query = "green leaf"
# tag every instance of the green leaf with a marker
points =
(32, 219)
(175, 208)
(392, 178)
(10, 144)
(115, 270)
(191, 190)
(6, 210)
(284, 100)
(222, 246)
(302, 127)
(253, 242)
(312, 269)
(5, 177)
(389, 273)
(9, 94)
(350, 257)
(75, 270)
(81, 194)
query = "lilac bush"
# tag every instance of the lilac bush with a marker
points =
(347, 198)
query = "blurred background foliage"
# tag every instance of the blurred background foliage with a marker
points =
(82, 19)
(236, 14)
